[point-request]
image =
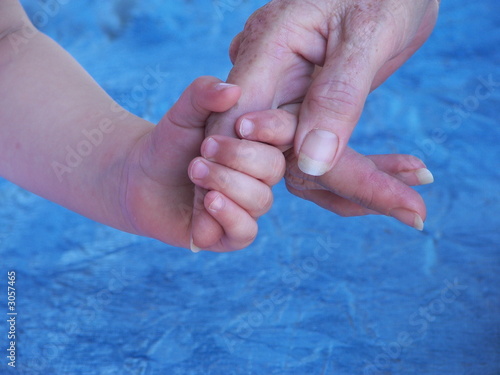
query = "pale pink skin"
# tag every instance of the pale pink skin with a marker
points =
(139, 177)
(328, 55)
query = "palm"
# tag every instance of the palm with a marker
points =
(158, 200)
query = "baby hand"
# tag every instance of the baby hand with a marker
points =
(238, 175)
(157, 195)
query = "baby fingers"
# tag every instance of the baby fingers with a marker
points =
(254, 159)
(252, 195)
(240, 229)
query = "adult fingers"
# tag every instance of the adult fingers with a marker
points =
(335, 100)
(332, 202)
(406, 168)
(276, 127)
(358, 179)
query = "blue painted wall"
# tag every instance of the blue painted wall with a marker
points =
(316, 293)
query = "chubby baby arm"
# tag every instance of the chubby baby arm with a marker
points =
(63, 138)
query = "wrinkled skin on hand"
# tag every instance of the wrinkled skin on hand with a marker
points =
(359, 44)
(328, 55)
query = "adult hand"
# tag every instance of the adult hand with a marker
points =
(357, 185)
(359, 44)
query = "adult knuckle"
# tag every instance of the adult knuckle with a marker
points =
(404, 162)
(256, 23)
(336, 99)
(366, 187)
(295, 182)
(413, 161)
(270, 30)
(365, 197)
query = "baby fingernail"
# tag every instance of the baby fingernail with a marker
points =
(424, 176)
(246, 128)
(317, 152)
(217, 204)
(199, 170)
(195, 249)
(408, 217)
(210, 148)
(223, 86)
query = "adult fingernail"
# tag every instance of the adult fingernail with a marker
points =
(317, 152)
(424, 176)
(210, 148)
(199, 170)
(217, 204)
(410, 218)
(195, 249)
(224, 86)
(246, 128)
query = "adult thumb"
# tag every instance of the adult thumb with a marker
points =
(331, 109)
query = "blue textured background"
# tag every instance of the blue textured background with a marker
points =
(315, 294)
